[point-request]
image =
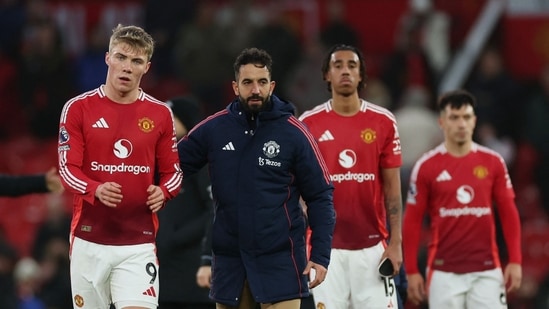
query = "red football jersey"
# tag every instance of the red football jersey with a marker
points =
(457, 193)
(133, 145)
(355, 149)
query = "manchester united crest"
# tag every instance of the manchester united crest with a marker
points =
(79, 301)
(368, 136)
(271, 149)
(146, 124)
(480, 171)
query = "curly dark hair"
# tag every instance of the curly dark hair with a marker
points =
(338, 47)
(258, 57)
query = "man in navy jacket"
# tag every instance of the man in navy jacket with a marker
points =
(262, 160)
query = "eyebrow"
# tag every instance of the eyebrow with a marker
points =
(259, 79)
(345, 61)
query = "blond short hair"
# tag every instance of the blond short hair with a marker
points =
(134, 36)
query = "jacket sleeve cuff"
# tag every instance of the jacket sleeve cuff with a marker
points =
(206, 260)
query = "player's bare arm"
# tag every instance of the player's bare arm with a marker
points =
(109, 193)
(393, 206)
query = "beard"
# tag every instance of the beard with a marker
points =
(254, 108)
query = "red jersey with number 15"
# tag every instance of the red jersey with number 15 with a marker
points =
(355, 149)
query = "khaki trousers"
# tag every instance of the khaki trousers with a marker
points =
(247, 302)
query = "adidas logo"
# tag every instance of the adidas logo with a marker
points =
(229, 146)
(101, 123)
(150, 291)
(444, 176)
(326, 136)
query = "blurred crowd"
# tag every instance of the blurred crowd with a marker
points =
(196, 41)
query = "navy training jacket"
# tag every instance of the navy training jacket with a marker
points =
(259, 167)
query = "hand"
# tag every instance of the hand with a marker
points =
(320, 273)
(109, 193)
(156, 198)
(394, 253)
(204, 276)
(416, 289)
(513, 276)
(53, 181)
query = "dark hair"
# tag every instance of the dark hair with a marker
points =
(258, 57)
(187, 109)
(338, 47)
(456, 99)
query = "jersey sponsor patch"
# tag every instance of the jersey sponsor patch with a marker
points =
(358, 177)
(465, 194)
(347, 158)
(122, 148)
(120, 168)
(63, 148)
(63, 135)
(262, 162)
(412, 192)
(464, 211)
